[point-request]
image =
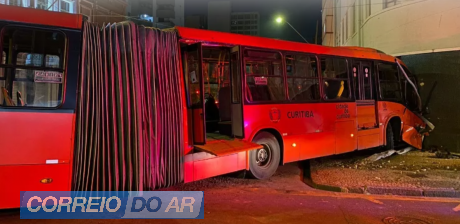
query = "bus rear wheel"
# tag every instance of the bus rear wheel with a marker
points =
(264, 162)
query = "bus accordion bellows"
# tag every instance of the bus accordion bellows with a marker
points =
(123, 107)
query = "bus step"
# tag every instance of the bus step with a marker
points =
(225, 147)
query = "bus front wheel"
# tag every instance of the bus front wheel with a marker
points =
(390, 137)
(264, 162)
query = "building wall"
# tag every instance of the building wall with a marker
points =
(100, 12)
(219, 15)
(409, 27)
(425, 33)
(136, 8)
(165, 13)
(245, 23)
(440, 67)
(328, 23)
(103, 12)
(58, 6)
(196, 21)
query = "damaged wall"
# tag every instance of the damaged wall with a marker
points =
(444, 68)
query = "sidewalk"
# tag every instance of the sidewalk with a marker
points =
(413, 174)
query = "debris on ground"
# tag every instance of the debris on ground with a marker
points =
(443, 153)
(386, 154)
(397, 168)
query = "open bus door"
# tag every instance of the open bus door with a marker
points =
(193, 60)
(237, 102)
(367, 120)
(220, 152)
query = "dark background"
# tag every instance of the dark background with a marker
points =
(302, 14)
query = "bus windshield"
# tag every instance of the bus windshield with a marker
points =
(411, 95)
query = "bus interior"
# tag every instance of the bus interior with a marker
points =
(214, 106)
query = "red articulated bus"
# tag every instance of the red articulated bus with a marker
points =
(130, 108)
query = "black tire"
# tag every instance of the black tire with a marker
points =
(390, 138)
(263, 163)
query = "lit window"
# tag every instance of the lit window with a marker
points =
(264, 79)
(390, 88)
(65, 6)
(302, 78)
(42, 4)
(2, 76)
(68, 6)
(31, 79)
(16, 2)
(335, 79)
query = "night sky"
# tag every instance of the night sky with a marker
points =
(302, 14)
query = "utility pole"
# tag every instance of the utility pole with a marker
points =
(280, 20)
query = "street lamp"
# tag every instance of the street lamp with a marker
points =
(280, 20)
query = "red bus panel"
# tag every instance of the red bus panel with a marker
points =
(40, 17)
(35, 138)
(28, 178)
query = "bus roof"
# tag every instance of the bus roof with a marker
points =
(40, 17)
(199, 35)
(75, 21)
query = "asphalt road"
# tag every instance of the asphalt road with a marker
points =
(285, 199)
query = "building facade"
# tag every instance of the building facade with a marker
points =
(245, 23)
(100, 12)
(219, 15)
(222, 18)
(397, 27)
(162, 13)
(425, 34)
(196, 21)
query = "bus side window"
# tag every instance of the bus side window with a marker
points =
(2, 77)
(390, 88)
(264, 76)
(32, 69)
(335, 79)
(408, 91)
(302, 78)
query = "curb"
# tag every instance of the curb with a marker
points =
(439, 192)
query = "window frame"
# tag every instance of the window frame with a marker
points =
(404, 81)
(373, 79)
(380, 97)
(348, 67)
(71, 6)
(12, 67)
(386, 3)
(318, 77)
(282, 76)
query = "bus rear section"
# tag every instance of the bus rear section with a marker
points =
(99, 108)
(38, 85)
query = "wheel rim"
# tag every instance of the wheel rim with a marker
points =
(264, 156)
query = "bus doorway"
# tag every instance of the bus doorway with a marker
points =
(365, 94)
(192, 64)
(215, 109)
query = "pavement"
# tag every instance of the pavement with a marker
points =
(413, 174)
(286, 199)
